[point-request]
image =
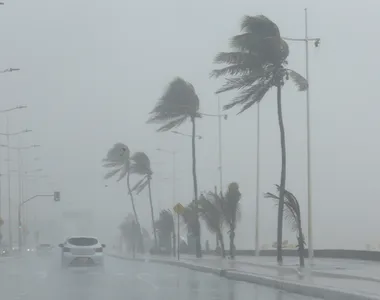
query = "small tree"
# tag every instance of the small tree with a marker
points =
(210, 210)
(165, 229)
(292, 214)
(230, 207)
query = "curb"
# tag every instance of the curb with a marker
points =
(314, 272)
(307, 290)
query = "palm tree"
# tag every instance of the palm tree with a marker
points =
(140, 164)
(190, 218)
(128, 232)
(178, 104)
(257, 64)
(210, 210)
(118, 158)
(165, 229)
(231, 212)
(293, 216)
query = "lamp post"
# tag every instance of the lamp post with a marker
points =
(9, 70)
(185, 134)
(8, 135)
(316, 42)
(19, 149)
(220, 116)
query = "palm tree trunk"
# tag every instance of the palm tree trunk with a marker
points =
(198, 249)
(232, 242)
(140, 238)
(283, 177)
(152, 213)
(301, 245)
(220, 239)
(132, 200)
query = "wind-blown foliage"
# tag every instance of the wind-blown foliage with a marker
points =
(140, 164)
(231, 212)
(130, 232)
(178, 104)
(165, 229)
(292, 214)
(118, 159)
(257, 64)
(210, 210)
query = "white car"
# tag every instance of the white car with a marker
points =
(82, 251)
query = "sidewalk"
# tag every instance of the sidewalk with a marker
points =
(355, 276)
(264, 271)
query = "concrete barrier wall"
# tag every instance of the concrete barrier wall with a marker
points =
(321, 253)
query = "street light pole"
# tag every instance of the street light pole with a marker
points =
(257, 236)
(9, 187)
(220, 147)
(316, 41)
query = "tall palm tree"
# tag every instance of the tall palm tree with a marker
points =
(256, 65)
(118, 158)
(293, 216)
(231, 212)
(178, 104)
(140, 164)
(210, 210)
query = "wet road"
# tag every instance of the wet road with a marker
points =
(35, 278)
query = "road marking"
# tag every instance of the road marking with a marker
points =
(140, 277)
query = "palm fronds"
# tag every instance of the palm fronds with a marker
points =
(292, 211)
(256, 64)
(178, 103)
(118, 159)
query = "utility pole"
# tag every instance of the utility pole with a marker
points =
(316, 42)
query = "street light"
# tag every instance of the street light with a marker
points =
(10, 70)
(316, 42)
(184, 134)
(219, 116)
(8, 165)
(20, 177)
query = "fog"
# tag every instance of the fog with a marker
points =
(91, 71)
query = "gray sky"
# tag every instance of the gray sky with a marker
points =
(92, 70)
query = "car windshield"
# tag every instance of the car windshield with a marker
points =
(83, 241)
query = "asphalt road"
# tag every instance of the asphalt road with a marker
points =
(34, 278)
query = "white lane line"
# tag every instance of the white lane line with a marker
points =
(140, 277)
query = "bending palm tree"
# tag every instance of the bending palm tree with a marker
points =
(293, 216)
(179, 103)
(140, 164)
(231, 212)
(210, 210)
(118, 158)
(258, 64)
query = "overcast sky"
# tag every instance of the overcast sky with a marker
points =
(92, 70)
